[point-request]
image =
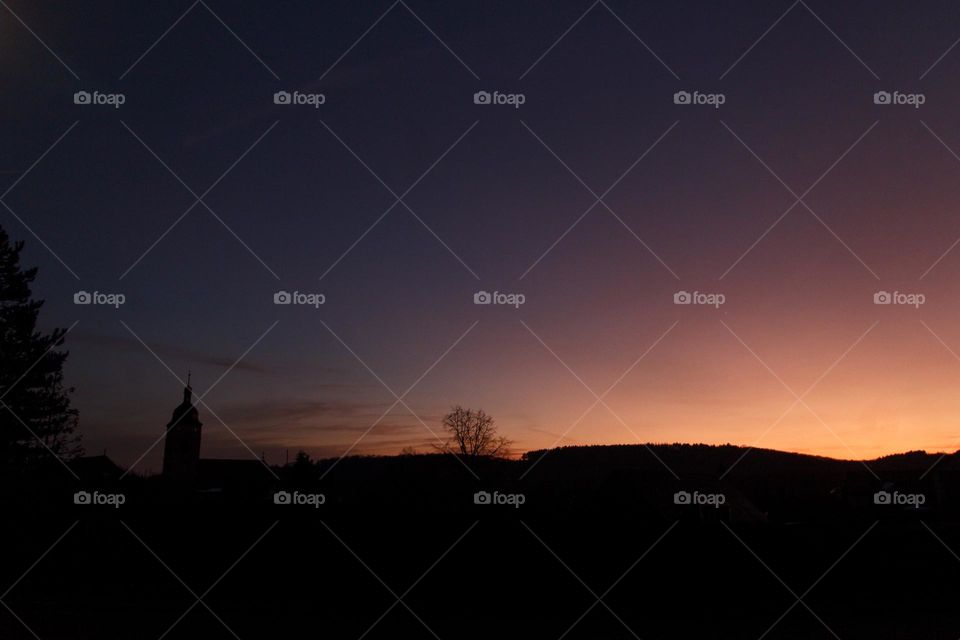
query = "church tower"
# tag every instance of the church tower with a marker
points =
(181, 449)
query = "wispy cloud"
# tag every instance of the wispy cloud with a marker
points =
(127, 343)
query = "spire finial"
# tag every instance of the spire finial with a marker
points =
(188, 378)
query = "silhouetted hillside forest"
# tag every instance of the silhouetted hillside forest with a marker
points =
(594, 522)
(630, 481)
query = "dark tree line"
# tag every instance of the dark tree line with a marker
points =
(36, 417)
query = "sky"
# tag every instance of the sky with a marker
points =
(787, 194)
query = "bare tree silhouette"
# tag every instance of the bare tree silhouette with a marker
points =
(473, 434)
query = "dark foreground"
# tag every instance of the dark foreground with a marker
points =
(605, 553)
(270, 575)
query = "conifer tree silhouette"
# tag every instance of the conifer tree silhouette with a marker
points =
(36, 416)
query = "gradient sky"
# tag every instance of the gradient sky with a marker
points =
(799, 306)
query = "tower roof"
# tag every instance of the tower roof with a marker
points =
(185, 412)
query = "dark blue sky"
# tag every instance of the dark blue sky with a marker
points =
(799, 96)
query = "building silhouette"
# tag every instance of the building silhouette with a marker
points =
(184, 469)
(181, 449)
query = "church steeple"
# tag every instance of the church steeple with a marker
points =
(181, 451)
